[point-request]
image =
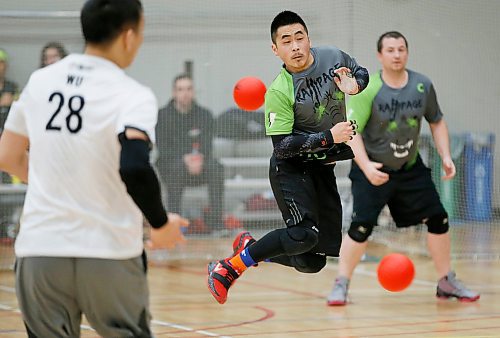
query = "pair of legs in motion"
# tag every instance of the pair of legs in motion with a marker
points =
(307, 196)
(412, 199)
(438, 245)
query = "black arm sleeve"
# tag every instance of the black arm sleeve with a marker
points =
(362, 78)
(287, 146)
(360, 73)
(141, 181)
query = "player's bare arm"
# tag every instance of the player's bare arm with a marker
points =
(369, 168)
(14, 154)
(441, 137)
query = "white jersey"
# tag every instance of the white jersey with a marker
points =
(76, 203)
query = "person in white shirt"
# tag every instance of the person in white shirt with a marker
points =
(80, 134)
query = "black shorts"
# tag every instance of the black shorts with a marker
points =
(308, 191)
(410, 194)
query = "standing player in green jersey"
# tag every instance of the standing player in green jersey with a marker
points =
(388, 169)
(305, 116)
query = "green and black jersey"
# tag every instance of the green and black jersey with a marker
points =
(310, 102)
(389, 119)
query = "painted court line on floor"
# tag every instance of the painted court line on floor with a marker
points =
(86, 327)
(186, 328)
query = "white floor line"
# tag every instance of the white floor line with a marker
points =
(7, 289)
(10, 308)
(86, 327)
(186, 328)
(6, 307)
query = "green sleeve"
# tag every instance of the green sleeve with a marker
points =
(279, 113)
(359, 107)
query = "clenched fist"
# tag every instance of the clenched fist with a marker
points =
(344, 131)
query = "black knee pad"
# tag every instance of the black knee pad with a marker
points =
(298, 239)
(438, 224)
(360, 232)
(308, 262)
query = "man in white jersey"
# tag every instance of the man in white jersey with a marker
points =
(88, 128)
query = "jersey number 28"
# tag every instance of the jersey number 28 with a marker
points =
(73, 119)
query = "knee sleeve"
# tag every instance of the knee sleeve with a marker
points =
(298, 239)
(309, 262)
(438, 224)
(360, 233)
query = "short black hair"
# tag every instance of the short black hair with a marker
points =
(181, 77)
(391, 34)
(285, 18)
(103, 20)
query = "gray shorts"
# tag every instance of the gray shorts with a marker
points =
(54, 292)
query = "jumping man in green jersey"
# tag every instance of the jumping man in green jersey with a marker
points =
(305, 116)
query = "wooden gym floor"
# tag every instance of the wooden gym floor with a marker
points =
(275, 301)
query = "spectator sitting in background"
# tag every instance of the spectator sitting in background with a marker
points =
(185, 132)
(51, 53)
(8, 93)
(8, 89)
(237, 124)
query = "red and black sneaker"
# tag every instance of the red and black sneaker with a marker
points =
(241, 241)
(221, 275)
